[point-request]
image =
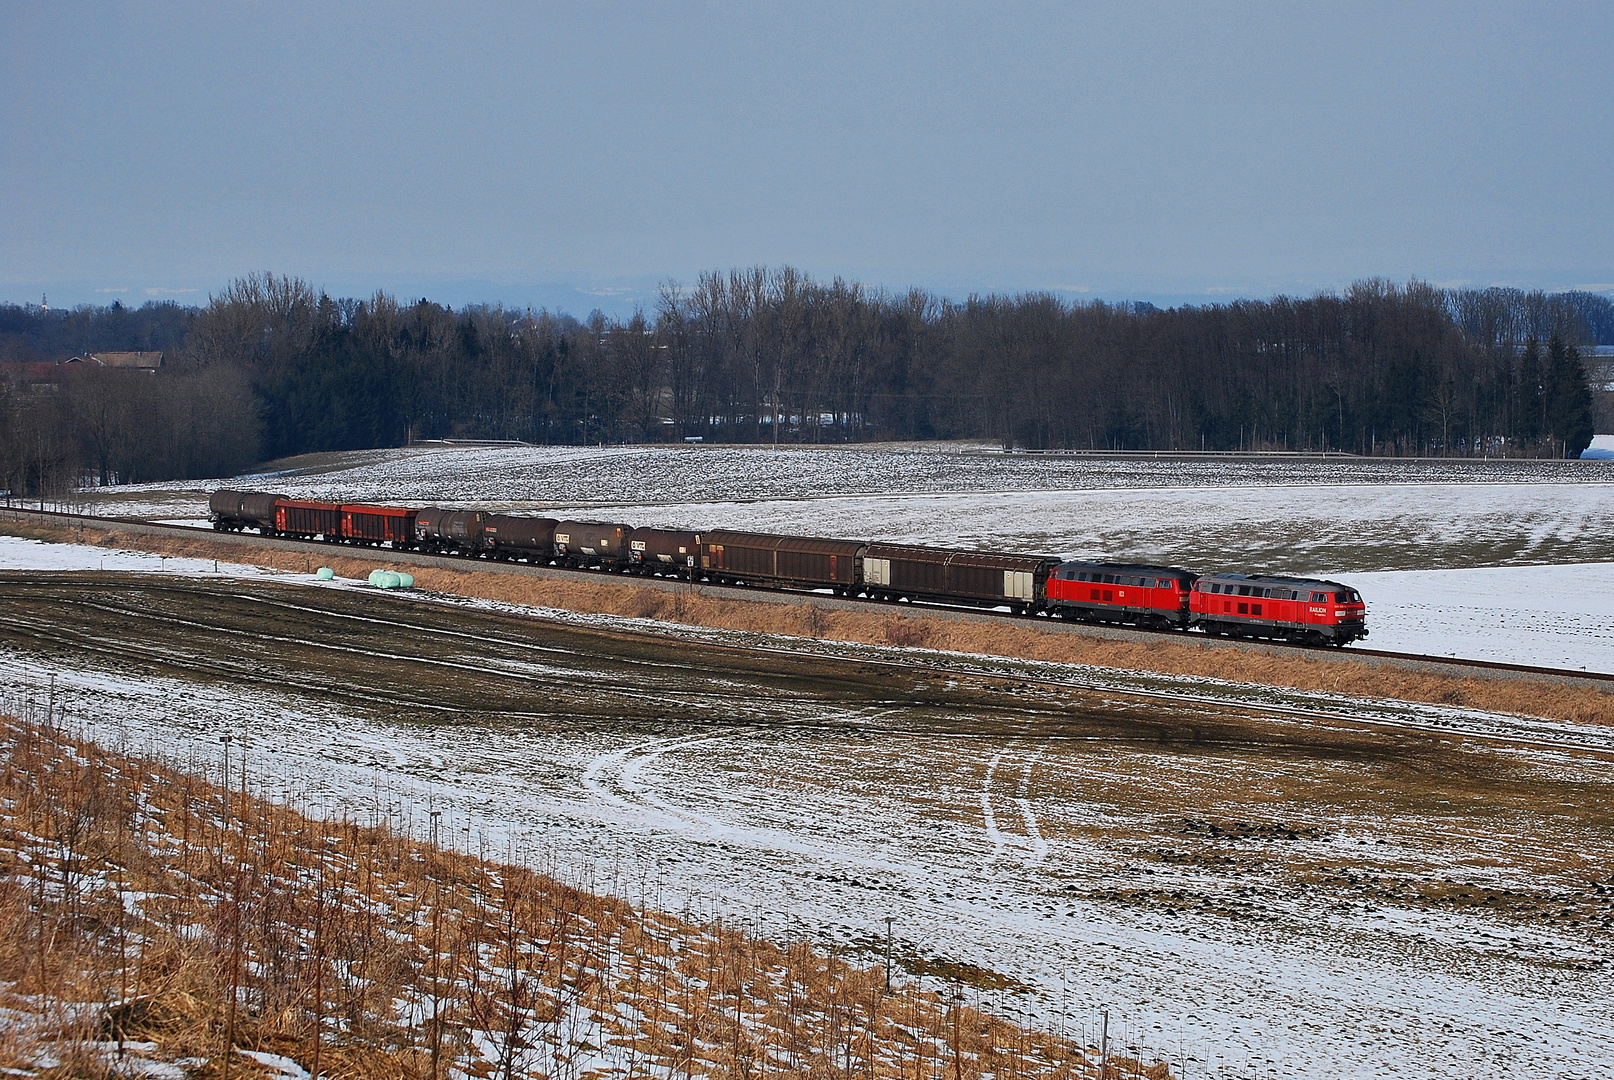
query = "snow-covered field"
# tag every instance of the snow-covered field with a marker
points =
(1384, 526)
(1342, 515)
(984, 849)
(1550, 616)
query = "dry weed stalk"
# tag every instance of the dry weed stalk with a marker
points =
(134, 910)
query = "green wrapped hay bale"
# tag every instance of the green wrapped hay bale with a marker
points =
(325, 573)
(406, 581)
(388, 579)
(375, 577)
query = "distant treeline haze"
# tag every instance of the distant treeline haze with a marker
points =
(271, 367)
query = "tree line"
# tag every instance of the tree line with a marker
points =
(271, 367)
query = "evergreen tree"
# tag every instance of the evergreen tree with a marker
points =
(1527, 424)
(1568, 398)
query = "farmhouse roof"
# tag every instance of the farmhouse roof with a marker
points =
(143, 361)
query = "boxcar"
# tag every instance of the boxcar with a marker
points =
(305, 517)
(764, 559)
(904, 571)
(237, 510)
(601, 544)
(510, 537)
(665, 550)
(1287, 609)
(437, 529)
(1128, 593)
(393, 525)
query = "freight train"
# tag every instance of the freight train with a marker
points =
(1300, 610)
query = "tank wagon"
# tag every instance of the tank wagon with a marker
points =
(598, 545)
(665, 551)
(232, 511)
(1301, 610)
(505, 536)
(451, 532)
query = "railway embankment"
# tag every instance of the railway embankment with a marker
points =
(1357, 673)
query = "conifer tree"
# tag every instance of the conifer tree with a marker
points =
(1568, 398)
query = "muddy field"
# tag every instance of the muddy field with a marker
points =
(1333, 888)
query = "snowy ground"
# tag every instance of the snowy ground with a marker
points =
(998, 849)
(1550, 615)
(992, 849)
(1301, 517)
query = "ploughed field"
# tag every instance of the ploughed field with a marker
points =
(1337, 891)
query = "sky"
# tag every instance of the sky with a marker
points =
(576, 155)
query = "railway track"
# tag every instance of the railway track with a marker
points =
(491, 648)
(1448, 664)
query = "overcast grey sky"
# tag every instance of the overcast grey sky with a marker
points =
(1099, 149)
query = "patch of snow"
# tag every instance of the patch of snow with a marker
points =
(1550, 616)
(277, 1064)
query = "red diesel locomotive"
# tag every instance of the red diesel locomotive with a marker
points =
(1126, 593)
(1279, 608)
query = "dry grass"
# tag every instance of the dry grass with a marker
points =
(1171, 656)
(146, 910)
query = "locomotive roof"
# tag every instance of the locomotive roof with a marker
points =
(1145, 568)
(1273, 579)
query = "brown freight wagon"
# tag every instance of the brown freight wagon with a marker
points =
(378, 524)
(518, 537)
(665, 549)
(592, 543)
(892, 571)
(802, 561)
(304, 517)
(236, 510)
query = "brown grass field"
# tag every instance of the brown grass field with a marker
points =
(615, 596)
(147, 915)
